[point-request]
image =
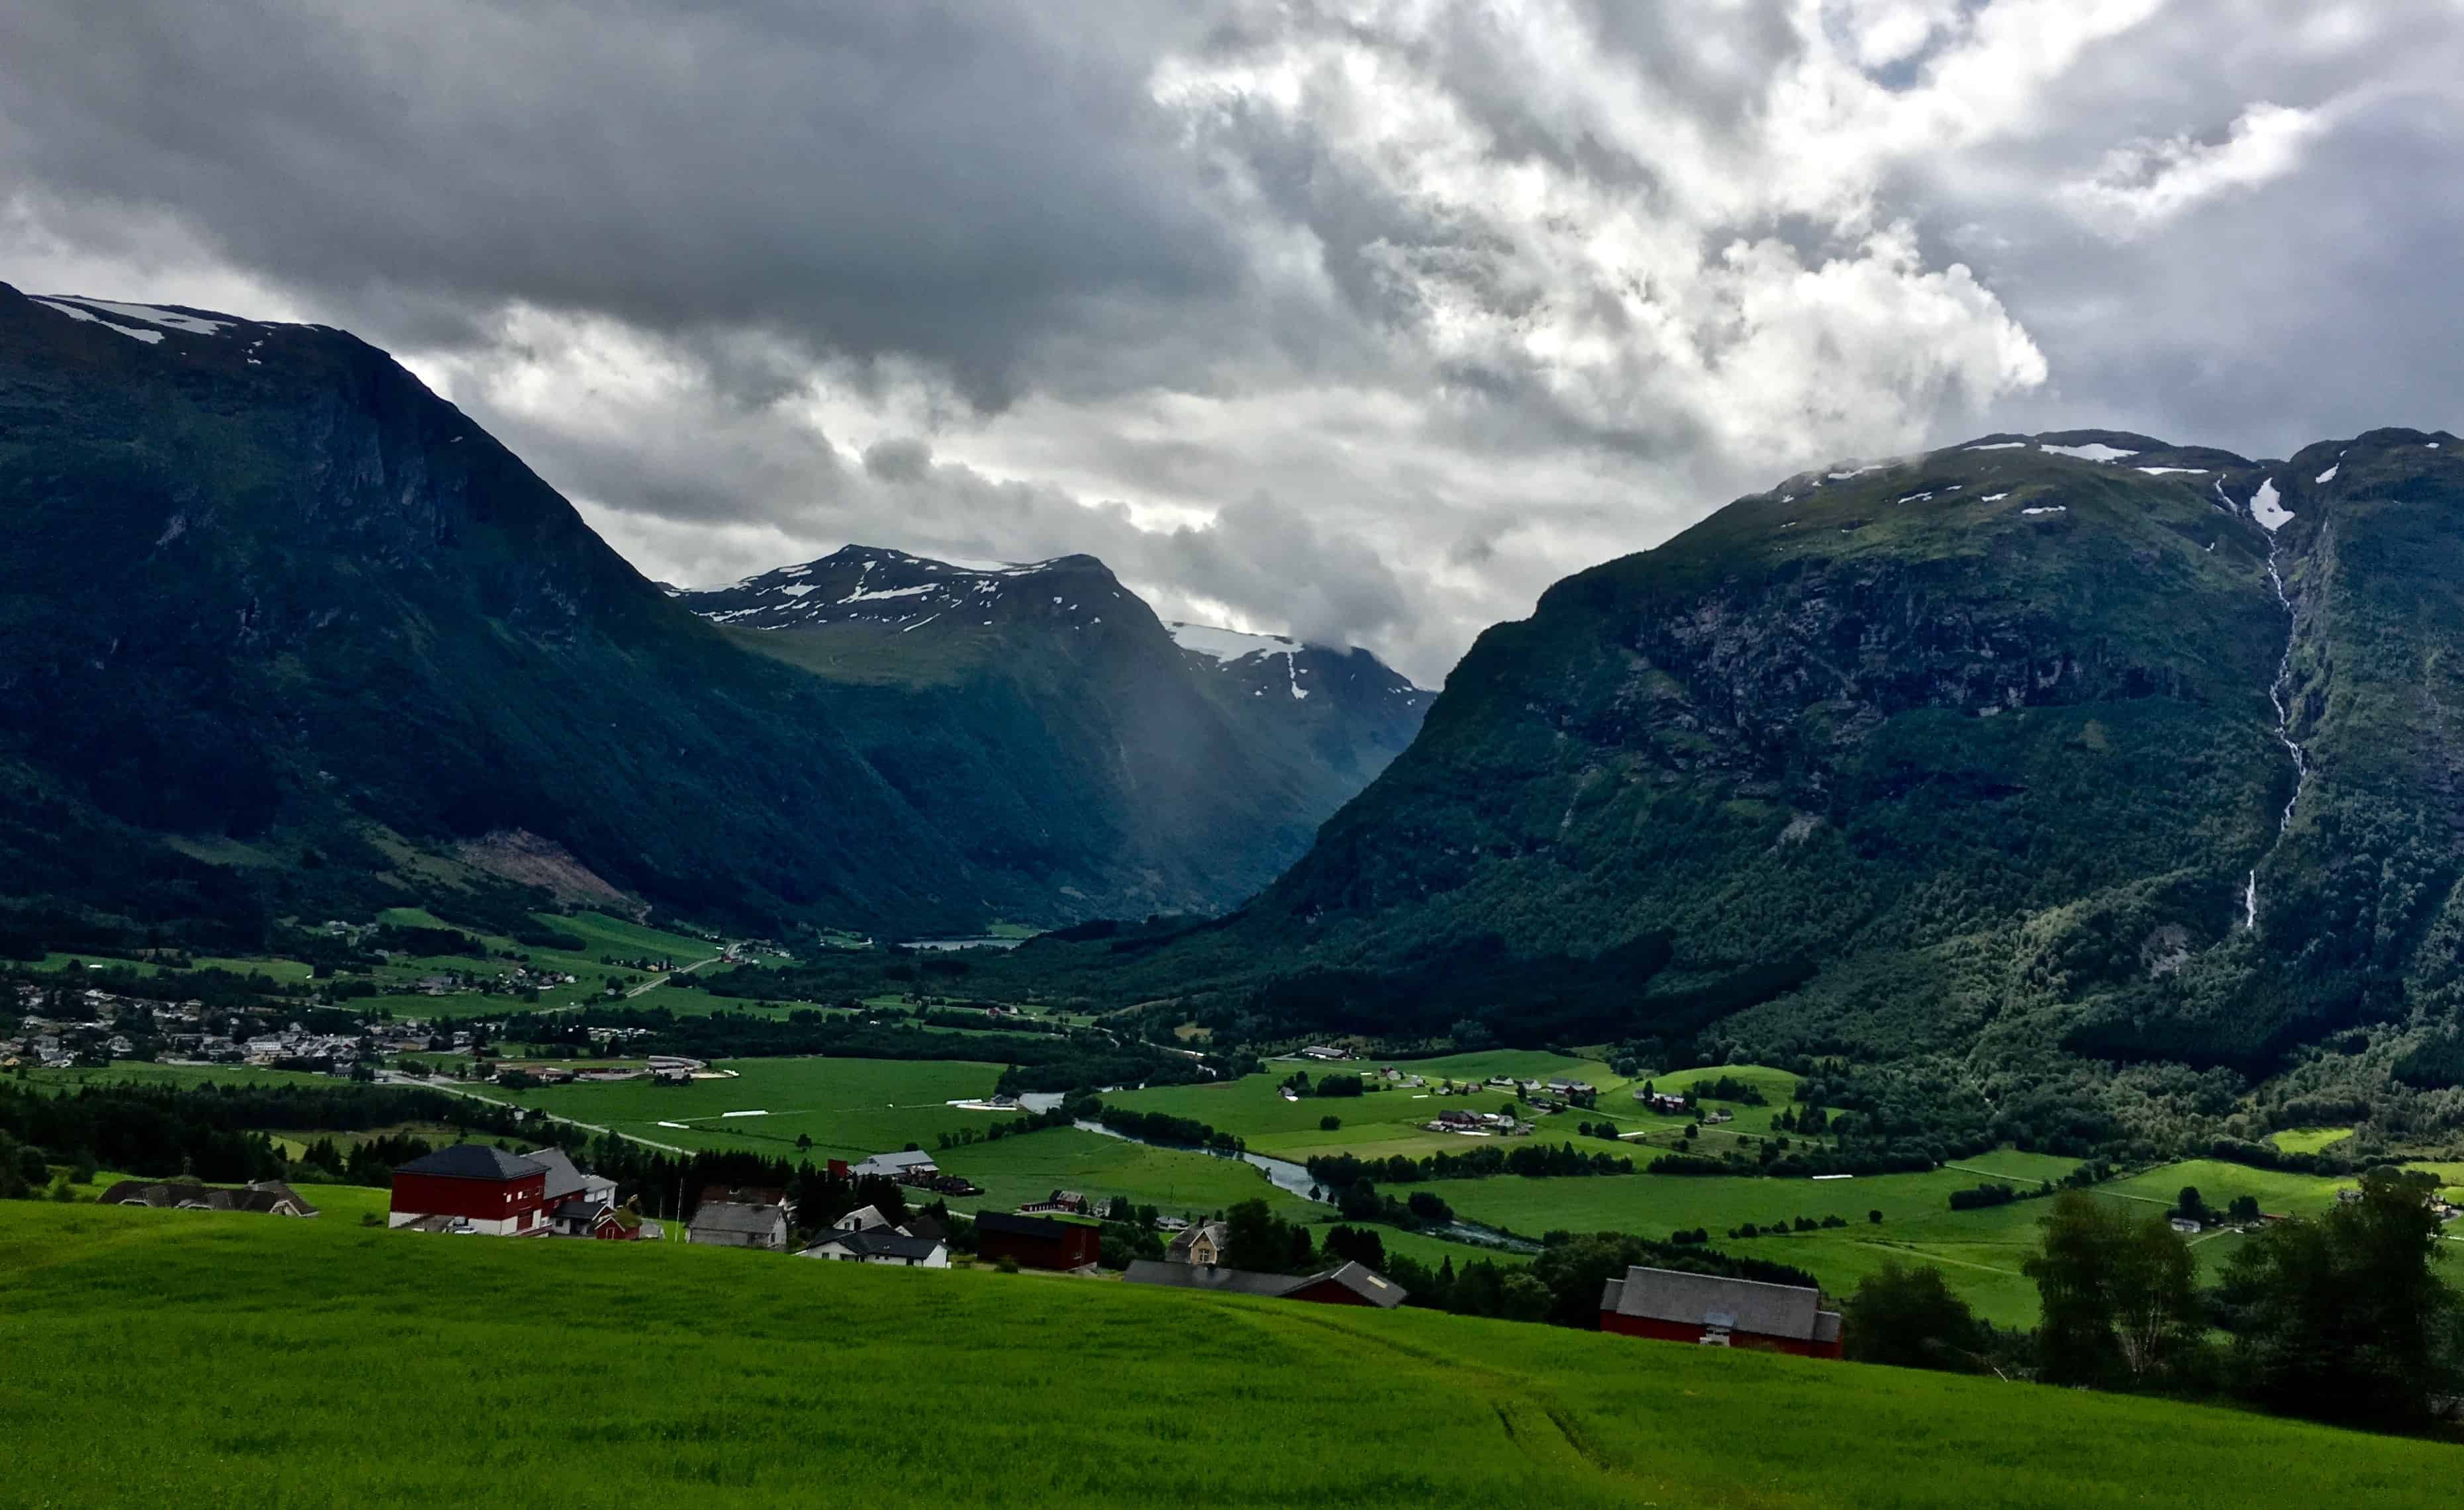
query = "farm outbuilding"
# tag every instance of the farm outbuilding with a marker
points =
(1717, 1311)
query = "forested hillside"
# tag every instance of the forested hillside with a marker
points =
(1980, 748)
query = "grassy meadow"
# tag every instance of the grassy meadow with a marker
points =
(274, 1363)
(849, 1107)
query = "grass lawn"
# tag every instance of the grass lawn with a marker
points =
(849, 1107)
(284, 1362)
(2308, 1140)
(1178, 1183)
(1387, 1121)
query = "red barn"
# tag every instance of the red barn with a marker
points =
(471, 1187)
(1720, 1312)
(1037, 1242)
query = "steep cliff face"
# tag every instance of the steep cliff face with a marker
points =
(1978, 745)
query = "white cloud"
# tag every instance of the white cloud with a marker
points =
(2142, 185)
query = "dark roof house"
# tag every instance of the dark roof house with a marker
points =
(1720, 1311)
(473, 1161)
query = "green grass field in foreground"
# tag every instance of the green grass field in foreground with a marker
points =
(271, 1362)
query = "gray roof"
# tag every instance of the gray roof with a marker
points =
(1178, 1248)
(474, 1160)
(879, 1242)
(735, 1216)
(263, 1195)
(1711, 1299)
(1366, 1282)
(1209, 1276)
(886, 1162)
(563, 1178)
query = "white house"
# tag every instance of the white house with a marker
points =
(881, 1245)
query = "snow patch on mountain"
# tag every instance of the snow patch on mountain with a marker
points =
(2266, 506)
(2093, 451)
(1228, 646)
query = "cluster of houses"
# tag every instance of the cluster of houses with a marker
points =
(1478, 1124)
(62, 1026)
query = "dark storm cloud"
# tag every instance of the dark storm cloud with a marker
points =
(939, 180)
(1364, 318)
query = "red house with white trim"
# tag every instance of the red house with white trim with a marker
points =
(471, 1187)
(1712, 1310)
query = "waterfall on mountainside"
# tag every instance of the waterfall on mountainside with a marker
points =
(2271, 516)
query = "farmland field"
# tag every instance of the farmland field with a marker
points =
(721, 1377)
(1176, 1182)
(849, 1107)
(1387, 1121)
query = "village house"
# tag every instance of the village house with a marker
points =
(581, 1205)
(1720, 1312)
(885, 1245)
(1201, 1244)
(1069, 1201)
(1037, 1242)
(1345, 1284)
(270, 1197)
(746, 1218)
(471, 1188)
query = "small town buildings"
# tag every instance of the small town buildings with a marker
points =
(1720, 1312)
(1345, 1284)
(1201, 1244)
(911, 1166)
(1662, 1103)
(471, 1187)
(1326, 1051)
(864, 1219)
(268, 1197)
(2187, 1226)
(1037, 1242)
(886, 1245)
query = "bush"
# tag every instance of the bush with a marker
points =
(1328, 1124)
(1006, 1264)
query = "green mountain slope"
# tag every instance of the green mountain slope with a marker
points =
(282, 633)
(1978, 749)
(274, 1361)
(1065, 694)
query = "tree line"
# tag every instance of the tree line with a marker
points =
(2341, 1316)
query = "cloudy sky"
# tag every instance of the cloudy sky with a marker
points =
(1364, 320)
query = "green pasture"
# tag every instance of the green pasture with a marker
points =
(1176, 1182)
(1387, 1121)
(287, 1363)
(849, 1107)
(2309, 1140)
